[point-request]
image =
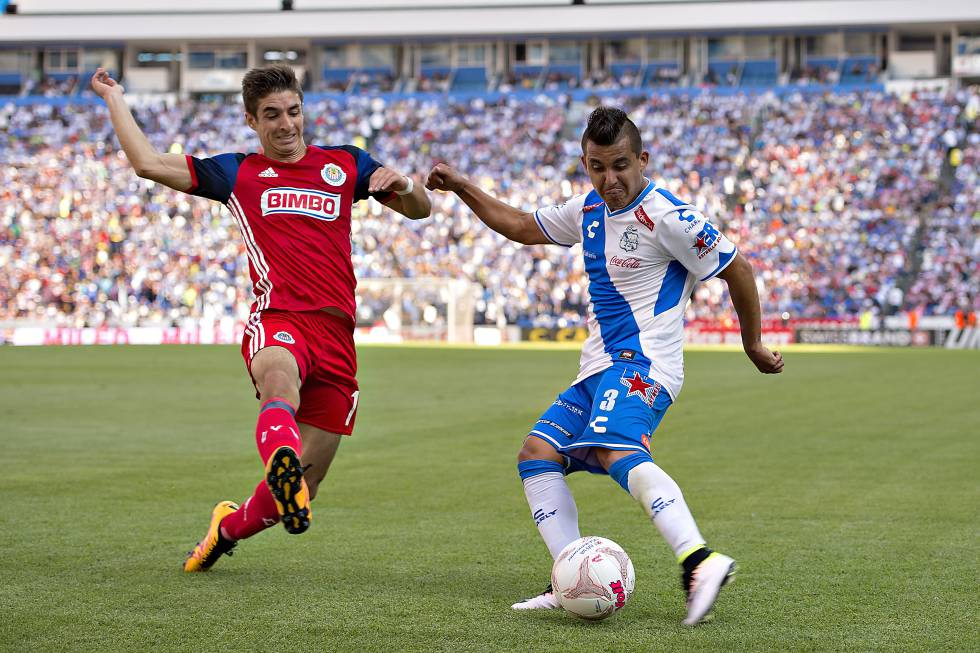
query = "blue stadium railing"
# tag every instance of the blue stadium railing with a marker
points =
(577, 94)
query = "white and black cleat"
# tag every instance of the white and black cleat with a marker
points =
(546, 600)
(704, 584)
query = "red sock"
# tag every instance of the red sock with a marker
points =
(277, 427)
(256, 514)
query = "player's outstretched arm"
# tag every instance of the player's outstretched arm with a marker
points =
(741, 286)
(503, 218)
(168, 169)
(414, 204)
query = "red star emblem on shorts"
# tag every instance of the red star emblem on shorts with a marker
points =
(637, 386)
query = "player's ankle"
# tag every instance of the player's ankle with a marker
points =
(692, 559)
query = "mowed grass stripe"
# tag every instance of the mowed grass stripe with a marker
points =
(846, 488)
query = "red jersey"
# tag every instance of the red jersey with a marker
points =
(295, 219)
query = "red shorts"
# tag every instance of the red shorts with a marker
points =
(323, 346)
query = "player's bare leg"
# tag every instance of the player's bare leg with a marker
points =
(553, 509)
(319, 449)
(276, 374)
(704, 571)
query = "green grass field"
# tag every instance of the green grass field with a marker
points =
(847, 489)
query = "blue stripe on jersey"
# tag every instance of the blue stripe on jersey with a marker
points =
(670, 197)
(617, 326)
(723, 260)
(545, 231)
(636, 202)
(216, 176)
(671, 288)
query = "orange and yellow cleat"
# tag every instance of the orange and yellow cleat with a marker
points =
(213, 546)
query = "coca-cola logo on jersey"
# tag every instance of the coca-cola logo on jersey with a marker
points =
(300, 201)
(630, 262)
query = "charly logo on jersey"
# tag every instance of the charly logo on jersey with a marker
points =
(630, 240)
(691, 217)
(302, 201)
(707, 240)
(284, 336)
(333, 174)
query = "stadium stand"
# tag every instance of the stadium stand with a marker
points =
(825, 193)
(847, 198)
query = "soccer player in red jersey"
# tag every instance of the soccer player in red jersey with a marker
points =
(292, 203)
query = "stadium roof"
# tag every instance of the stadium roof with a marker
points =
(408, 20)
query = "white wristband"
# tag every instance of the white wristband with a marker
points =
(408, 189)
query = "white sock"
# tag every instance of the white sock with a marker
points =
(553, 510)
(662, 500)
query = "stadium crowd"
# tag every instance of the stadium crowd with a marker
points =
(833, 197)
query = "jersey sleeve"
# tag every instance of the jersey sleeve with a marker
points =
(214, 178)
(366, 165)
(696, 243)
(562, 224)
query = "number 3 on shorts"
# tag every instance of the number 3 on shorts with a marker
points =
(610, 400)
(354, 396)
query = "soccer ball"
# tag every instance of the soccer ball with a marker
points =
(592, 578)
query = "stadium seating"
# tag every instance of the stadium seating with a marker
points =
(469, 79)
(856, 70)
(724, 73)
(759, 72)
(831, 222)
(660, 73)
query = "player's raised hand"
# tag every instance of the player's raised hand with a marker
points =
(768, 362)
(387, 180)
(103, 84)
(443, 177)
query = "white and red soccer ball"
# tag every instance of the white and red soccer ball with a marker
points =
(593, 578)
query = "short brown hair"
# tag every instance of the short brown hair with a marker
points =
(260, 82)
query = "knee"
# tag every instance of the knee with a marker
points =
(277, 383)
(535, 449)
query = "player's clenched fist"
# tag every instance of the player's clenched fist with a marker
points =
(102, 84)
(768, 362)
(443, 177)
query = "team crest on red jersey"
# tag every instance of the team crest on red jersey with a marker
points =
(333, 174)
(302, 201)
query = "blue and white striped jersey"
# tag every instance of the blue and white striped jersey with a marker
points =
(643, 262)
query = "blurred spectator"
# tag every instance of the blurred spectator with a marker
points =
(824, 194)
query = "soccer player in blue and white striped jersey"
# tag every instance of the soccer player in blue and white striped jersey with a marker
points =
(644, 251)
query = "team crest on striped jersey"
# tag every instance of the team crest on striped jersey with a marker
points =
(333, 174)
